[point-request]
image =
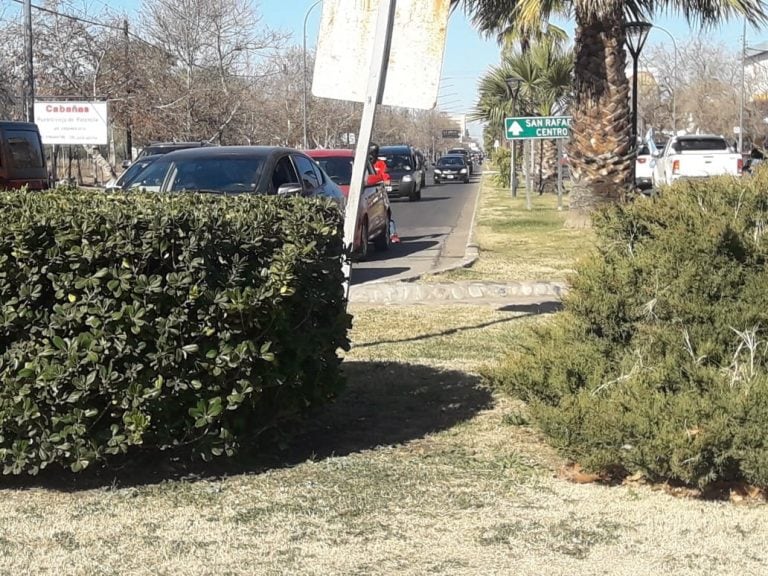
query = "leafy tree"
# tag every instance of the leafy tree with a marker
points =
(601, 151)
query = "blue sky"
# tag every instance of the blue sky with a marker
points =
(467, 55)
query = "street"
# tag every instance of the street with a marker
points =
(433, 233)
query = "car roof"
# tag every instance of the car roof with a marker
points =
(698, 136)
(330, 152)
(451, 156)
(18, 125)
(229, 151)
(395, 148)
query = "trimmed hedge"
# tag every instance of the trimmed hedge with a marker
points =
(162, 321)
(659, 363)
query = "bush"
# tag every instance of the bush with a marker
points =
(193, 320)
(659, 363)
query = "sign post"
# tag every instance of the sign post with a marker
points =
(536, 128)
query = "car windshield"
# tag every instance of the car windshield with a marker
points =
(643, 150)
(338, 168)
(151, 178)
(133, 171)
(398, 162)
(224, 175)
(24, 146)
(451, 161)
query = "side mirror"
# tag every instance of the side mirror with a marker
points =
(289, 189)
(373, 180)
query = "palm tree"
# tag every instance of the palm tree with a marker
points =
(545, 70)
(600, 151)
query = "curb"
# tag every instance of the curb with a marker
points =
(470, 292)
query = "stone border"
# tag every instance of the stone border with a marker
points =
(414, 292)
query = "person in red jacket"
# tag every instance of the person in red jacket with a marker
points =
(380, 166)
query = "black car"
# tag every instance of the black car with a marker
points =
(157, 148)
(452, 168)
(264, 170)
(464, 152)
(405, 171)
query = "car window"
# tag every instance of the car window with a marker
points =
(226, 175)
(339, 169)
(451, 161)
(151, 177)
(24, 147)
(134, 170)
(306, 169)
(700, 144)
(643, 150)
(284, 173)
(398, 162)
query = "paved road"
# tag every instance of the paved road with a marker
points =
(434, 233)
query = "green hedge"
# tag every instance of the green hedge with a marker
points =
(659, 363)
(163, 321)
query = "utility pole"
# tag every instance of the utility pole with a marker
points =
(128, 127)
(29, 83)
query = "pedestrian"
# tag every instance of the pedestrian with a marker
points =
(380, 166)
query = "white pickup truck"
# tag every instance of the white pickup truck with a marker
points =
(693, 156)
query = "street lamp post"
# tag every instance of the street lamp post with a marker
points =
(513, 84)
(674, 78)
(304, 73)
(635, 35)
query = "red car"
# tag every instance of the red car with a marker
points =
(374, 213)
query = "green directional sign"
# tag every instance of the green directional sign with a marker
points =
(530, 127)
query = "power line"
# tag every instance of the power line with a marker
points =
(76, 18)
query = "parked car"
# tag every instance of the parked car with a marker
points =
(127, 178)
(643, 168)
(694, 156)
(451, 168)
(157, 148)
(22, 161)
(238, 170)
(405, 171)
(374, 212)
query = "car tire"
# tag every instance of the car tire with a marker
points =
(383, 241)
(362, 252)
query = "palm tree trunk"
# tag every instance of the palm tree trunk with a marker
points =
(600, 152)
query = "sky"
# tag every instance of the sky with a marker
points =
(467, 55)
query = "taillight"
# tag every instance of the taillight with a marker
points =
(675, 166)
(641, 160)
(740, 164)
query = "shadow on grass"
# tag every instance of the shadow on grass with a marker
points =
(384, 404)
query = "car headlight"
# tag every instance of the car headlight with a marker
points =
(407, 178)
(437, 171)
(463, 171)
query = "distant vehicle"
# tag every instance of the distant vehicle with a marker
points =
(405, 170)
(643, 168)
(374, 213)
(464, 152)
(22, 161)
(157, 148)
(127, 178)
(264, 170)
(451, 168)
(694, 156)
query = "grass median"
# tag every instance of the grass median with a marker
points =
(517, 244)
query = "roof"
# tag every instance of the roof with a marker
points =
(228, 151)
(330, 153)
(18, 125)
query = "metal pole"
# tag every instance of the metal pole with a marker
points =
(559, 174)
(381, 45)
(531, 172)
(304, 74)
(634, 101)
(512, 178)
(29, 84)
(674, 79)
(741, 97)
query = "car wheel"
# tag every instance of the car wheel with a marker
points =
(383, 241)
(362, 253)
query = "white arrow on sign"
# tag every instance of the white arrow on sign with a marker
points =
(515, 128)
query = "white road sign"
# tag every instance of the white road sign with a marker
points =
(345, 44)
(72, 122)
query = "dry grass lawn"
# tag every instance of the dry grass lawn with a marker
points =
(417, 469)
(517, 244)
